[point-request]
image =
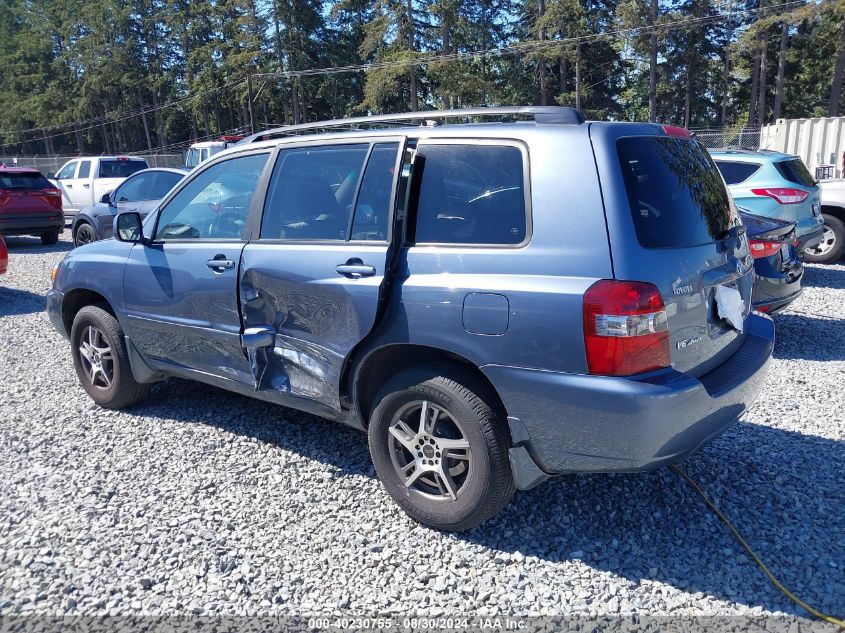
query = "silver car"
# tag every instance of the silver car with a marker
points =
(141, 192)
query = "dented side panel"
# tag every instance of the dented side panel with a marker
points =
(316, 314)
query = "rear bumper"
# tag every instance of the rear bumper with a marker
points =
(579, 423)
(774, 289)
(31, 223)
(809, 234)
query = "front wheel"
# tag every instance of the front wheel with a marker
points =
(101, 360)
(440, 448)
(84, 234)
(830, 248)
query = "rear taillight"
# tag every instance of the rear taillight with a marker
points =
(782, 195)
(625, 328)
(763, 248)
(52, 192)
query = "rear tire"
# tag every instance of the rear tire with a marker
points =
(48, 239)
(458, 467)
(829, 250)
(101, 360)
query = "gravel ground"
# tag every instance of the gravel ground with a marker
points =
(200, 501)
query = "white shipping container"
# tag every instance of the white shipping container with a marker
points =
(819, 142)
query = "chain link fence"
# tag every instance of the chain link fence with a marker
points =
(49, 165)
(737, 138)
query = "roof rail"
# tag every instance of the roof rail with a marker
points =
(540, 114)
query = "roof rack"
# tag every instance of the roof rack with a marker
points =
(540, 114)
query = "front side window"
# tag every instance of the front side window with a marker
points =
(215, 204)
(471, 194)
(312, 192)
(67, 171)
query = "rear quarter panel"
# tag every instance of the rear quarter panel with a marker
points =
(542, 282)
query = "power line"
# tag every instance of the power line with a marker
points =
(513, 49)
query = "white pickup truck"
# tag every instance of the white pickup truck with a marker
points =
(85, 180)
(832, 246)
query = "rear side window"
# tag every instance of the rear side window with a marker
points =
(84, 169)
(164, 182)
(375, 199)
(120, 168)
(312, 192)
(794, 170)
(471, 194)
(28, 181)
(735, 173)
(675, 193)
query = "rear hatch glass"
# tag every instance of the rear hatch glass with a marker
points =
(794, 170)
(675, 192)
(24, 182)
(120, 168)
(693, 246)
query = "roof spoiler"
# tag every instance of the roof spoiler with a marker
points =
(540, 114)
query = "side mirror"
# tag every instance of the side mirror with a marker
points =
(106, 199)
(127, 227)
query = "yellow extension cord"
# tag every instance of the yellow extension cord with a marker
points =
(754, 556)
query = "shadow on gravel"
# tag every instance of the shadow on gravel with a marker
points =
(800, 336)
(783, 490)
(824, 276)
(16, 302)
(33, 246)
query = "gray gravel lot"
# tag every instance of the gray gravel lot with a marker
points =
(201, 501)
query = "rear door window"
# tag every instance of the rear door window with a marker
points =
(25, 181)
(735, 173)
(471, 194)
(84, 169)
(375, 199)
(676, 195)
(312, 192)
(794, 170)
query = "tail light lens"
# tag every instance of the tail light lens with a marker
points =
(52, 192)
(625, 328)
(782, 195)
(763, 248)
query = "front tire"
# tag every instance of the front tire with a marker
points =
(440, 447)
(830, 248)
(101, 360)
(84, 234)
(49, 239)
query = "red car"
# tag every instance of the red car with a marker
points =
(4, 256)
(30, 204)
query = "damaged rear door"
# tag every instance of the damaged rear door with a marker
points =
(310, 285)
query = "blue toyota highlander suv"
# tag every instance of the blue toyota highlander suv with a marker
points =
(494, 303)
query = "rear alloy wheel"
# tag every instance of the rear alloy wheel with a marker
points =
(439, 447)
(101, 360)
(48, 239)
(84, 234)
(830, 248)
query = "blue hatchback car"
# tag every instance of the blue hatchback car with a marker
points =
(774, 185)
(493, 303)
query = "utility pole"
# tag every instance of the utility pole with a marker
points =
(249, 103)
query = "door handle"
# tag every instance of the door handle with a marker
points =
(356, 270)
(220, 263)
(86, 185)
(69, 186)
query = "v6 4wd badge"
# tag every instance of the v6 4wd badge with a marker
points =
(688, 342)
